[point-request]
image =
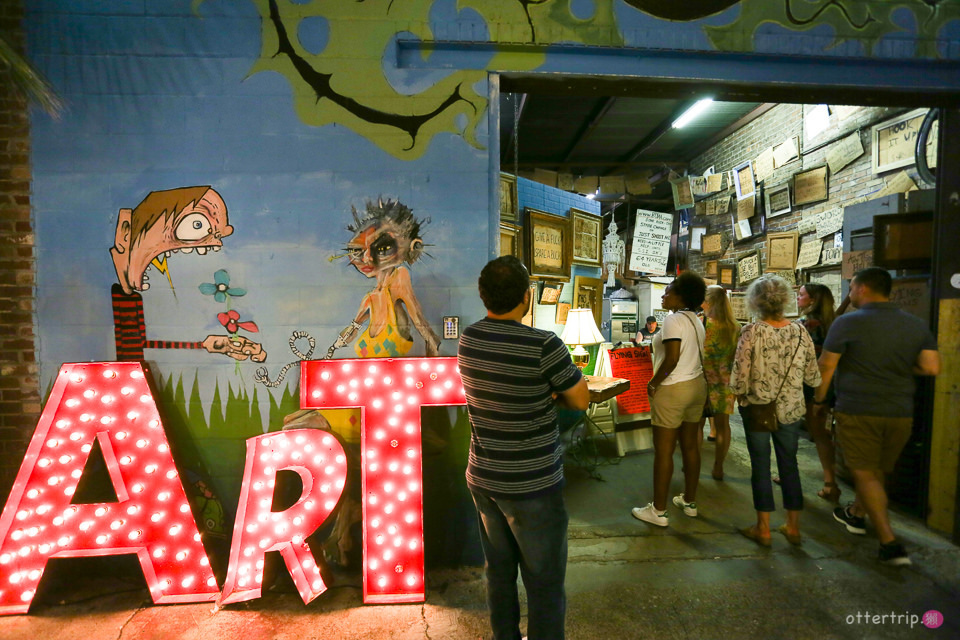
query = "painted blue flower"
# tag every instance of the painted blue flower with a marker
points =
(220, 288)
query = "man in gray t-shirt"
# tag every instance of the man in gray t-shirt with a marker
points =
(875, 388)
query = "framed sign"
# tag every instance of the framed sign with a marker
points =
(563, 308)
(711, 244)
(508, 198)
(510, 244)
(749, 229)
(894, 141)
(550, 294)
(810, 186)
(682, 193)
(586, 238)
(777, 200)
(782, 251)
(727, 276)
(588, 294)
(738, 303)
(748, 267)
(548, 245)
(710, 268)
(696, 237)
(744, 181)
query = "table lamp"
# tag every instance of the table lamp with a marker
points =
(581, 329)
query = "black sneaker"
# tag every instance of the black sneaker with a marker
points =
(894, 554)
(854, 524)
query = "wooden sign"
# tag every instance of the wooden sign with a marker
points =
(810, 186)
(651, 242)
(809, 255)
(854, 261)
(844, 152)
(748, 267)
(636, 365)
(727, 275)
(682, 193)
(894, 141)
(782, 251)
(829, 221)
(710, 268)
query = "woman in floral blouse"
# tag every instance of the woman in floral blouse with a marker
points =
(722, 331)
(774, 359)
(815, 302)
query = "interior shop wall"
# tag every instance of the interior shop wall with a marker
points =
(780, 123)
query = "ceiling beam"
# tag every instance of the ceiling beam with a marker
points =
(651, 138)
(652, 162)
(589, 125)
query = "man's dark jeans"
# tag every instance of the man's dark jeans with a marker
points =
(532, 535)
(785, 446)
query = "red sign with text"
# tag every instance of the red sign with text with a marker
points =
(636, 365)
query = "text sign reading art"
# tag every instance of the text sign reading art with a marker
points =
(390, 394)
(109, 402)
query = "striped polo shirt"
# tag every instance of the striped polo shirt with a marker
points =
(509, 372)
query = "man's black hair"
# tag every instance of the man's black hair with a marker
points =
(876, 279)
(651, 319)
(691, 288)
(502, 284)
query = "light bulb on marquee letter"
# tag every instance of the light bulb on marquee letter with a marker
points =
(258, 529)
(390, 394)
(110, 402)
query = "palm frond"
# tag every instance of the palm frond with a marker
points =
(28, 81)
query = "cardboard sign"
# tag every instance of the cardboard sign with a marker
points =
(636, 365)
(809, 255)
(844, 152)
(854, 261)
(651, 242)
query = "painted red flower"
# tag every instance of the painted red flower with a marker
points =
(230, 320)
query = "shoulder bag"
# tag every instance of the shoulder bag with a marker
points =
(763, 417)
(707, 407)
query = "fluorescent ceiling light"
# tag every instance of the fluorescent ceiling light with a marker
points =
(699, 107)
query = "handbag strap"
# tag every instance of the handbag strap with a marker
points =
(789, 366)
(699, 345)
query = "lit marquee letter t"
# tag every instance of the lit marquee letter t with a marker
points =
(111, 403)
(390, 394)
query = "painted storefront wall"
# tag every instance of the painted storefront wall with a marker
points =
(239, 185)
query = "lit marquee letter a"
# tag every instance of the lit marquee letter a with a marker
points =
(109, 402)
(390, 394)
(319, 460)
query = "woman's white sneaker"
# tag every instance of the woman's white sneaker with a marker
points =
(651, 515)
(689, 508)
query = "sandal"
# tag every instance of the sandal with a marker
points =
(830, 492)
(794, 539)
(751, 533)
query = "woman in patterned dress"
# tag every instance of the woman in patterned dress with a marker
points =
(774, 359)
(722, 332)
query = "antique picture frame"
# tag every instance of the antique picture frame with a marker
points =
(749, 267)
(548, 245)
(776, 200)
(563, 309)
(588, 293)
(738, 303)
(511, 241)
(711, 244)
(815, 185)
(710, 268)
(744, 180)
(782, 251)
(682, 193)
(757, 225)
(586, 237)
(696, 237)
(891, 145)
(727, 275)
(550, 293)
(508, 198)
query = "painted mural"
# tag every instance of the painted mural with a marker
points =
(297, 113)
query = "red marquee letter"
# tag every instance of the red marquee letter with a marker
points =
(112, 403)
(258, 529)
(390, 393)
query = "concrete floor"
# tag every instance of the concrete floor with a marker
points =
(625, 579)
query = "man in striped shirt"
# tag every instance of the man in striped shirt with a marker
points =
(513, 377)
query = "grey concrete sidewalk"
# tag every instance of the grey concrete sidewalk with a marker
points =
(625, 579)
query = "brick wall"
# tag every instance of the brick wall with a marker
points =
(772, 128)
(19, 386)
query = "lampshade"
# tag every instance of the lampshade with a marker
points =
(581, 328)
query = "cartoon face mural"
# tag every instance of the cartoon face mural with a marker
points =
(386, 236)
(167, 222)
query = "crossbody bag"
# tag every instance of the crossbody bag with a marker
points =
(763, 417)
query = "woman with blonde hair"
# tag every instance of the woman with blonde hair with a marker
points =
(720, 344)
(774, 359)
(815, 302)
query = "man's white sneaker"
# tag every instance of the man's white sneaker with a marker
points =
(651, 515)
(689, 508)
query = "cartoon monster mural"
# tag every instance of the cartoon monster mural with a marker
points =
(167, 222)
(386, 236)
